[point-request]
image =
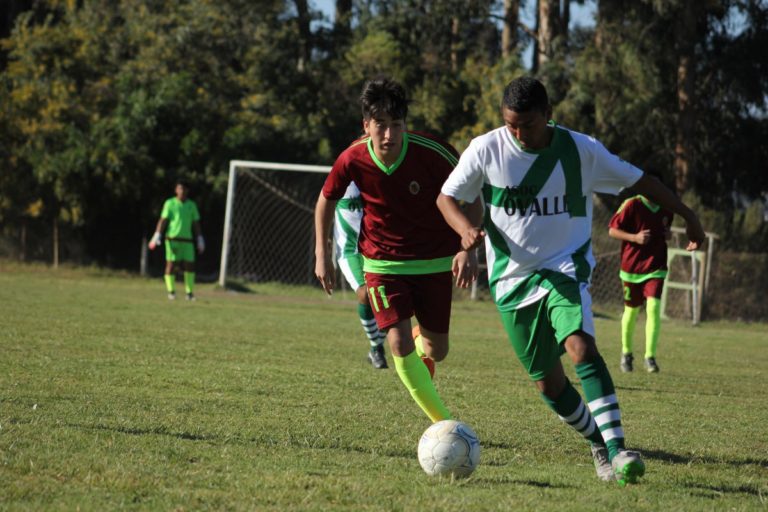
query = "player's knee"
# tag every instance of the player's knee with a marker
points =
(581, 347)
(436, 346)
(362, 296)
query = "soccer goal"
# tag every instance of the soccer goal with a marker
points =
(269, 233)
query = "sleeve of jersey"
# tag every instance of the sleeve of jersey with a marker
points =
(337, 181)
(466, 180)
(619, 218)
(166, 210)
(611, 174)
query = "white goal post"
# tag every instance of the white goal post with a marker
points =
(269, 221)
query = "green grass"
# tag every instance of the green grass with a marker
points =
(112, 397)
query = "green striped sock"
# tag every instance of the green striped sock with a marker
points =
(601, 399)
(571, 409)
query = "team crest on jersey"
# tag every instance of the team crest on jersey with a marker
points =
(414, 187)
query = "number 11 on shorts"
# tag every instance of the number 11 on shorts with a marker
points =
(382, 296)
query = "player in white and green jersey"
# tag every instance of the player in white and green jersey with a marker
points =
(537, 180)
(181, 217)
(346, 229)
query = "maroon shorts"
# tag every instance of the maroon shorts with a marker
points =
(396, 297)
(636, 293)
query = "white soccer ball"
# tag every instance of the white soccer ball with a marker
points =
(449, 448)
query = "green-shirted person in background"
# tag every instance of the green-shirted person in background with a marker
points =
(181, 216)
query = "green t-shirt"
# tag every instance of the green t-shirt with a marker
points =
(180, 217)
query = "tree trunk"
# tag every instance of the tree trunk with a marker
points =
(342, 24)
(144, 257)
(565, 20)
(684, 163)
(509, 32)
(548, 30)
(455, 43)
(56, 242)
(23, 243)
(302, 9)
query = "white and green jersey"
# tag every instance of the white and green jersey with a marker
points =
(538, 208)
(346, 229)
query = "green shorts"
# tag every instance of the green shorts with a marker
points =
(176, 250)
(538, 331)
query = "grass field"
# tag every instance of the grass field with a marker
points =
(112, 397)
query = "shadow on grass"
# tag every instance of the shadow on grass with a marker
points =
(674, 458)
(158, 431)
(514, 481)
(752, 490)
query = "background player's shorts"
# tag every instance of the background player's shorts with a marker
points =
(397, 297)
(179, 251)
(352, 268)
(537, 332)
(636, 293)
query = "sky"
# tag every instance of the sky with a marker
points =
(580, 14)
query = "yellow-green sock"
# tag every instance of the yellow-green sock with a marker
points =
(170, 282)
(189, 282)
(415, 376)
(628, 320)
(652, 325)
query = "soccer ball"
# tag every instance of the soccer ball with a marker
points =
(449, 448)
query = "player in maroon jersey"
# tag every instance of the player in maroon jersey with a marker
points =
(643, 228)
(409, 251)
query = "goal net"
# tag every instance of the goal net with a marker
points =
(269, 237)
(269, 222)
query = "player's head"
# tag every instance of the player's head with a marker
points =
(526, 111)
(382, 95)
(385, 107)
(181, 189)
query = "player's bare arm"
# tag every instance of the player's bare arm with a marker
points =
(654, 190)
(471, 234)
(640, 238)
(323, 220)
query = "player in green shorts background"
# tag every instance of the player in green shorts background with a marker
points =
(537, 181)
(181, 218)
(346, 231)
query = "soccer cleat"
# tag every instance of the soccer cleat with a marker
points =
(602, 464)
(376, 357)
(626, 363)
(650, 365)
(627, 467)
(191, 297)
(172, 296)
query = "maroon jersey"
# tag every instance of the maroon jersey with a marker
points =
(639, 262)
(401, 220)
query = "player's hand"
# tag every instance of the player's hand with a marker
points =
(464, 268)
(155, 241)
(695, 234)
(472, 238)
(200, 244)
(325, 274)
(643, 237)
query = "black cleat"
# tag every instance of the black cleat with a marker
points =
(376, 357)
(650, 365)
(626, 363)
